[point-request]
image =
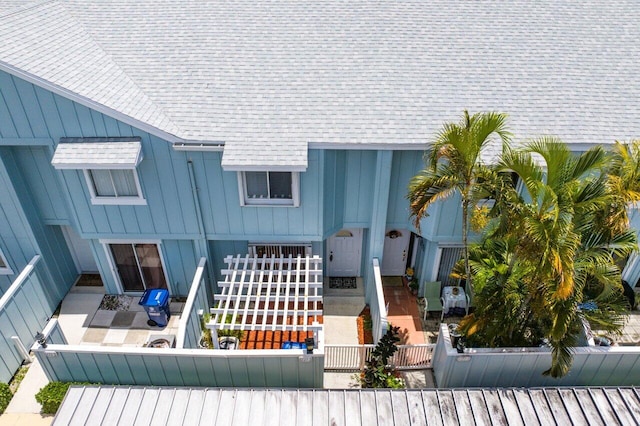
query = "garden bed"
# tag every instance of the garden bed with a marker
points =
(365, 333)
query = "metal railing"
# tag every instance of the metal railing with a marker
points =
(353, 357)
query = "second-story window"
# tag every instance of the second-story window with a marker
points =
(109, 165)
(269, 188)
(113, 184)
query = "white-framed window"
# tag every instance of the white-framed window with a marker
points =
(109, 165)
(4, 265)
(269, 188)
(114, 186)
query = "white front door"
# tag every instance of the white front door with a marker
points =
(80, 251)
(344, 253)
(394, 255)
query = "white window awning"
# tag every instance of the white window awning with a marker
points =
(269, 294)
(254, 156)
(97, 155)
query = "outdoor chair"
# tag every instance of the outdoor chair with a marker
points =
(432, 298)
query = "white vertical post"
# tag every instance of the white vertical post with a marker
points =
(21, 348)
(214, 338)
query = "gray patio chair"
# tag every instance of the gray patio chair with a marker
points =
(432, 298)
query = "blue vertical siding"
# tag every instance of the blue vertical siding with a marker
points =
(107, 273)
(220, 249)
(16, 239)
(224, 217)
(49, 241)
(405, 165)
(180, 262)
(359, 190)
(334, 191)
(42, 182)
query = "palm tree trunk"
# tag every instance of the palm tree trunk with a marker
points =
(465, 242)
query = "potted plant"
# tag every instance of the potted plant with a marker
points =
(409, 274)
(413, 286)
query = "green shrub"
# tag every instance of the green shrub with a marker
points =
(51, 396)
(5, 396)
(377, 372)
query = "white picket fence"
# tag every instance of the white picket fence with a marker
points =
(353, 357)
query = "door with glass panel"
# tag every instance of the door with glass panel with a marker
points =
(139, 266)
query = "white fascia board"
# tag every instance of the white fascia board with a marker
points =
(89, 103)
(371, 146)
(104, 166)
(264, 168)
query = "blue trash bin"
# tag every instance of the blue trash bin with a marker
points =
(156, 304)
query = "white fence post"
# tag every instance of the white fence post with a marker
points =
(21, 348)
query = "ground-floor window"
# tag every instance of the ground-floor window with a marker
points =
(139, 266)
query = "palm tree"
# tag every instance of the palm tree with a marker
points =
(453, 165)
(624, 183)
(559, 232)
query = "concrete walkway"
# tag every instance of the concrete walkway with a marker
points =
(21, 419)
(341, 309)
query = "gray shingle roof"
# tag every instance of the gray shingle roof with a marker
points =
(268, 75)
(138, 405)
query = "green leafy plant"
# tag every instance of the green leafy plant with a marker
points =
(5, 396)
(207, 339)
(377, 372)
(51, 396)
(234, 333)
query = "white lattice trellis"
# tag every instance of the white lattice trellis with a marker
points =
(269, 294)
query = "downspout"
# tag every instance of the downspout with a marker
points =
(196, 199)
(204, 247)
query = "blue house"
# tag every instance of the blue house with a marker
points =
(137, 138)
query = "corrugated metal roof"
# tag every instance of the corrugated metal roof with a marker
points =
(97, 155)
(186, 406)
(262, 75)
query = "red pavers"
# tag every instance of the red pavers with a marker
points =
(403, 313)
